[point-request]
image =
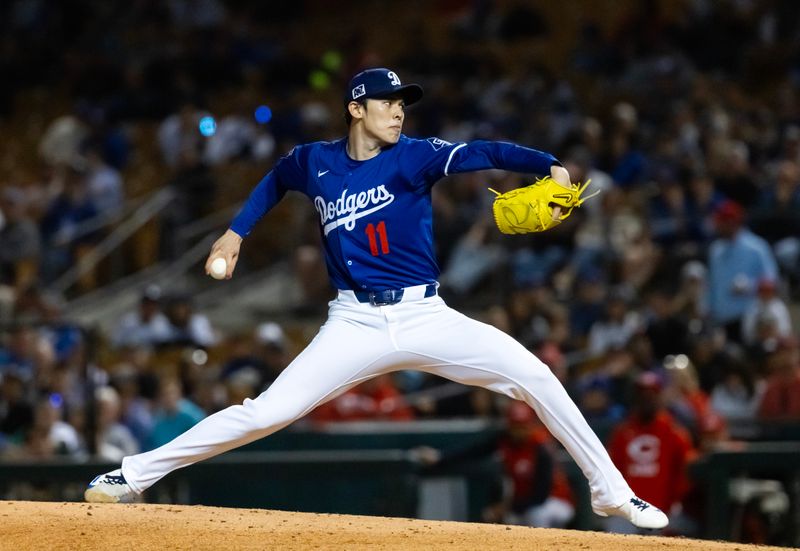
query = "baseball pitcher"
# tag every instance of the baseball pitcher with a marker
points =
(372, 191)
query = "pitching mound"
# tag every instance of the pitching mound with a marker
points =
(55, 526)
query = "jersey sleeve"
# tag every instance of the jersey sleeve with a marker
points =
(427, 161)
(483, 155)
(434, 158)
(287, 174)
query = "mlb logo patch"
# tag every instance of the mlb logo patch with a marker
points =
(359, 91)
(438, 143)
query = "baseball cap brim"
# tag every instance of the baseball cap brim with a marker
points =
(411, 93)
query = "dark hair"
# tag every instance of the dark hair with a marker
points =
(348, 118)
(733, 368)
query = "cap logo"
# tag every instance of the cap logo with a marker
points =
(359, 91)
(393, 78)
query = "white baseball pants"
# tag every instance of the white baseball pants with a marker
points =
(360, 341)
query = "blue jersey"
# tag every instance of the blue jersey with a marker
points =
(375, 215)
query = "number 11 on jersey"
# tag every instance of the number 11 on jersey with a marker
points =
(380, 230)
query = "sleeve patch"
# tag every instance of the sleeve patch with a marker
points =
(438, 143)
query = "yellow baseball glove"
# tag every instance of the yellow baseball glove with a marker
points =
(530, 209)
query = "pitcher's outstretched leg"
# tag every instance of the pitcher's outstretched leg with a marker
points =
(485, 356)
(301, 387)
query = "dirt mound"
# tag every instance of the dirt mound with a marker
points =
(55, 526)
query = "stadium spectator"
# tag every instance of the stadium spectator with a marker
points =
(173, 416)
(475, 252)
(241, 385)
(187, 326)
(591, 246)
(596, 401)
(682, 395)
(667, 332)
(20, 248)
(540, 495)
(673, 224)
(136, 411)
(238, 138)
(104, 182)
(711, 353)
(587, 305)
(651, 450)
(49, 435)
(532, 489)
(618, 325)
(539, 320)
(274, 349)
(737, 260)
(26, 353)
(375, 399)
(690, 301)
(145, 326)
(114, 440)
(61, 141)
(776, 217)
(66, 241)
(704, 199)
(265, 352)
(734, 177)
(179, 133)
(624, 158)
(738, 394)
(767, 318)
(640, 349)
(781, 398)
(16, 406)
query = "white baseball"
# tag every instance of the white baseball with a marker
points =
(219, 268)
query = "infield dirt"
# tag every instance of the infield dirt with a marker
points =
(55, 526)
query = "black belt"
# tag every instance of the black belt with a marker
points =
(389, 296)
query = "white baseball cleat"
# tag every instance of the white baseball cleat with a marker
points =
(109, 488)
(638, 512)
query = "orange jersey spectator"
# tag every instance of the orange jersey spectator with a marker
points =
(651, 450)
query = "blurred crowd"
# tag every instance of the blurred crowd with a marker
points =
(680, 277)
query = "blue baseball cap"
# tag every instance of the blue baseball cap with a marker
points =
(380, 83)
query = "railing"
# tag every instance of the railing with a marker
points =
(769, 460)
(205, 225)
(151, 207)
(100, 221)
(165, 274)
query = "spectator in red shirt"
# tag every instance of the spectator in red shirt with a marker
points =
(651, 450)
(375, 399)
(781, 399)
(532, 490)
(541, 495)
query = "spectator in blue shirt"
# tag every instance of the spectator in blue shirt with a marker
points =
(737, 260)
(175, 416)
